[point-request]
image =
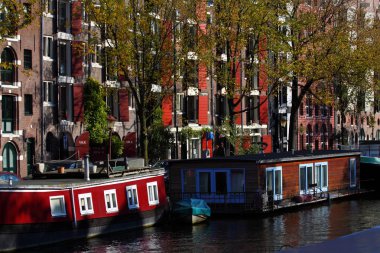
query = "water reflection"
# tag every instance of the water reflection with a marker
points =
(269, 234)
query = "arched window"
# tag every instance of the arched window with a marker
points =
(8, 73)
(309, 135)
(10, 158)
(324, 136)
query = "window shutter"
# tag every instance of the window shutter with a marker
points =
(77, 58)
(263, 110)
(76, 17)
(167, 108)
(78, 102)
(123, 105)
(203, 110)
(202, 76)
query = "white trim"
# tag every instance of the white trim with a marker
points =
(152, 188)
(306, 165)
(327, 175)
(276, 195)
(60, 214)
(87, 209)
(111, 193)
(132, 204)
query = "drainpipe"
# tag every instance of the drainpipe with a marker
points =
(42, 85)
(73, 208)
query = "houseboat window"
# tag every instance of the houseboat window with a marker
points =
(274, 182)
(352, 172)
(152, 193)
(237, 181)
(111, 201)
(306, 177)
(133, 200)
(57, 206)
(221, 182)
(85, 203)
(321, 178)
(204, 182)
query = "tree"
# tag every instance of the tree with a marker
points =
(95, 111)
(314, 45)
(237, 42)
(139, 49)
(15, 15)
(160, 138)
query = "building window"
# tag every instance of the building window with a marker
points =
(64, 18)
(27, 59)
(306, 178)
(190, 78)
(316, 110)
(338, 119)
(352, 172)
(28, 104)
(274, 182)
(179, 102)
(152, 193)
(8, 106)
(8, 73)
(111, 201)
(301, 109)
(27, 8)
(96, 55)
(48, 46)
(132, 196)
(57, 206)
(309, 108)
(321, 176)
(49, 6)
(85, 204)
(49, 92)
(63, 65)
(192, 109)
(309, 135)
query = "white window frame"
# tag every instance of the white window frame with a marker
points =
(306, 165)
(276, 195)
(48, 54)
(48, 87)
(352, 166)
(86, 197)
(319, 166)
(63, 206)
(179, 102)
(131, 189)
(150, 188)
(112, 208)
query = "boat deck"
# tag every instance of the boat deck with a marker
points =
(75, 178)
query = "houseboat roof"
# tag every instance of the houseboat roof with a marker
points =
(67, 182)
(279, 157)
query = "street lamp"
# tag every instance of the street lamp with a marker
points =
(111, 122)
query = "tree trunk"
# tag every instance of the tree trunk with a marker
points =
(293, 121)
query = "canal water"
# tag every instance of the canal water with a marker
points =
(239, 234)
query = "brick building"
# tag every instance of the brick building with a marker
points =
(20, 95)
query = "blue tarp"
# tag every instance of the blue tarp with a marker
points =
(196, 206)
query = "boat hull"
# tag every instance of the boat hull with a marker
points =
(15, 237)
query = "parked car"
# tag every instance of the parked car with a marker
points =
(5, 177)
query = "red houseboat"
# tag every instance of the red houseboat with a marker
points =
(37, 212)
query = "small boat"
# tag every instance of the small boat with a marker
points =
(191, 211)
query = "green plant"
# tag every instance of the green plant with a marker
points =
(95, 111)
(117, 147)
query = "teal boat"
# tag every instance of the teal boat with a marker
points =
(370, 160)
(191, 211)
